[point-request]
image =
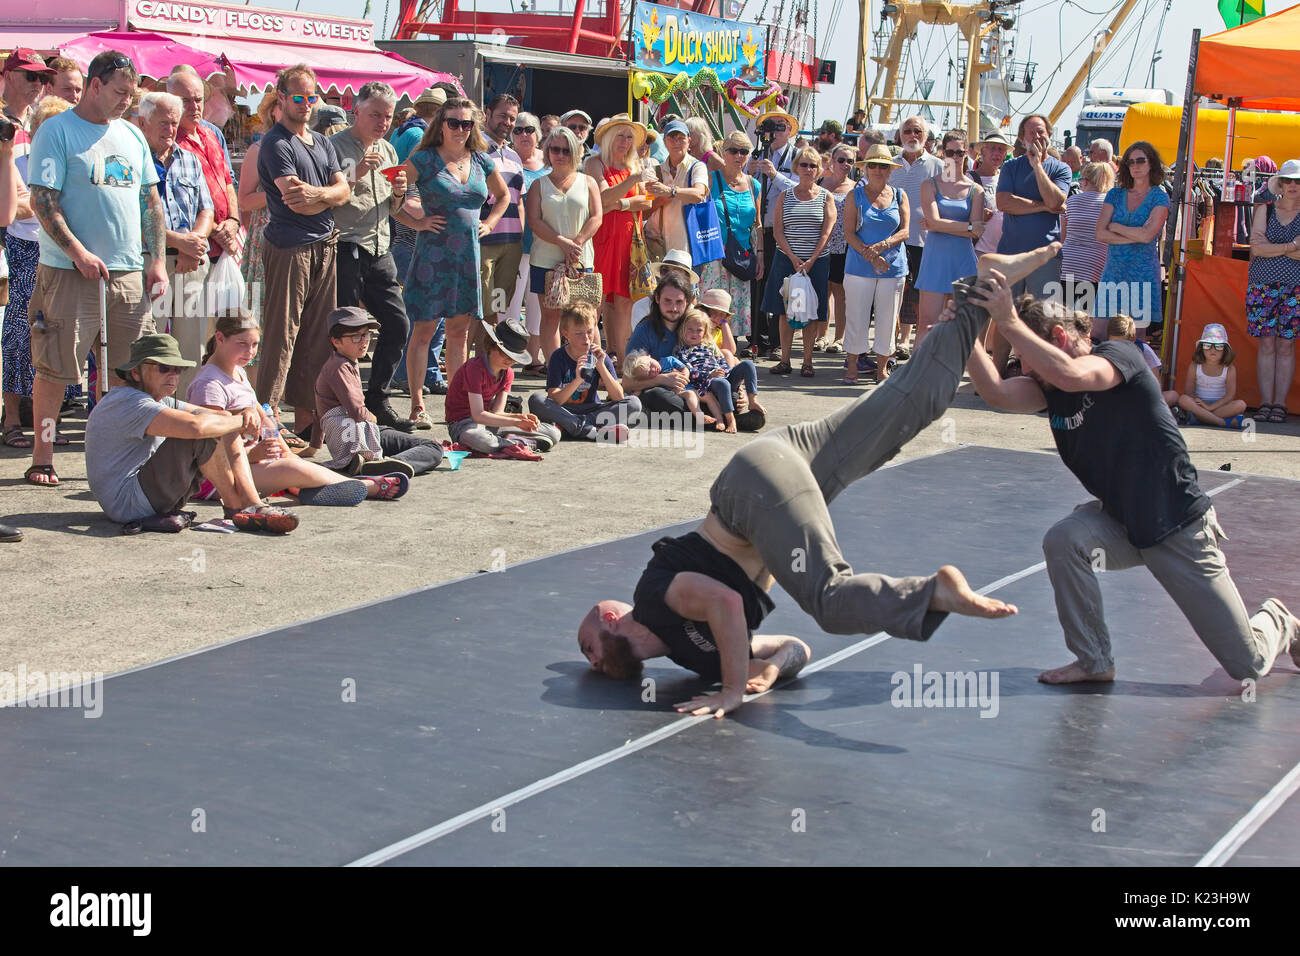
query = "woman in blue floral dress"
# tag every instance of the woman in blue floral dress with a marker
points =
(454, 179)
(1132, 217)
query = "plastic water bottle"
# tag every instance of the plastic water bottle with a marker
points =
(588, 370)
(268, 426)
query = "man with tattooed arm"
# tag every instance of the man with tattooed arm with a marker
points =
(92, 183)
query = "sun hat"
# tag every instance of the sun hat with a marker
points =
(1290, 170)
(434, 96)
(159, 348)
(621, 119)
(1214, 334)
(994, 138)
(878, 153)
(677, 258)
(718, 300)
(510, 336)
(778, 114)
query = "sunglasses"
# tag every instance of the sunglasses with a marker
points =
(810, 165)
(110, 67)
(463, 125)
(559, 150)
(1217, 348)
(954, 153)
(879, 166)
(525, 130)
(843, 162)
(301, 98)
(1136, 160)
(167, 369)
(738, 152)
(31, 77)
(577, 127)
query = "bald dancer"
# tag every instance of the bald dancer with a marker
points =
(703, 594)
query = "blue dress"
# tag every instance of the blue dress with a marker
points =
(443, 279)
(1130, 282)
(948, 258)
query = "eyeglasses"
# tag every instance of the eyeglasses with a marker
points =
(734, 151)
(810, 165)
(954, 153)
(301, 98)
(525, 130)
(463, 125)
(359, 337)
(1217, 348)
(166, 369)
(1136, 160)
(559, 150)
(110, 67)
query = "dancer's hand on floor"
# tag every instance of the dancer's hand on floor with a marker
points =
(715, 704)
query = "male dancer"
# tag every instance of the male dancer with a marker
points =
(702, 595)
(1114, 431)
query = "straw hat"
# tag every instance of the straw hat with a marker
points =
(434, 96)
(717, 300)
(778, 114)
(994, 138)
(878, 153)
(1290, 170)
(621, 119)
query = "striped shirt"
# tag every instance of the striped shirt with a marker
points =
(802, 220)
(510, 228)
(1082, 256)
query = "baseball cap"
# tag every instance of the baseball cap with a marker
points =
(25, 58)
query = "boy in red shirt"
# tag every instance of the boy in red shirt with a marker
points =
(476, 397)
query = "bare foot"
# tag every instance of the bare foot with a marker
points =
(1075, 674)
(1018, 266)
(762, 675)
(952, 593)
(755, 407)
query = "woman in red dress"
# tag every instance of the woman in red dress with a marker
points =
(617, 171)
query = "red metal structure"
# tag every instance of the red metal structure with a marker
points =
(601, 34)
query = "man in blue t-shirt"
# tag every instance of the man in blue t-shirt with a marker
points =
(1114, 432)
(299, 171)
(1031, 195)
(92, 183)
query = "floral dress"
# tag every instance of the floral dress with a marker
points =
(1130, 281)
(444, 276)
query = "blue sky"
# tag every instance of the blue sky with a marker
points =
(1047, 29)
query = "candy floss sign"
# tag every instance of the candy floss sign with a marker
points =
(254, 23)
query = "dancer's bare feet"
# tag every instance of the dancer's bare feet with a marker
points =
(1018, 266)
(1075, 674)
(952, 593)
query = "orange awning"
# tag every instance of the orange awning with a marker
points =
(1257, 62)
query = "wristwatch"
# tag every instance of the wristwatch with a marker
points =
(970, 228)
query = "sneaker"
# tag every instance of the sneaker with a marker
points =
(437, 388)
(612, 435)
(514, 405)
(902, 353)
(264, 518)
(517, 451)
(775, 355)
(866, 363)
(386, 417)
(10, 533)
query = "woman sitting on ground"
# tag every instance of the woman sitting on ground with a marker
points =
(223, 386)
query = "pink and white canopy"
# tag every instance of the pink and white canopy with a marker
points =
(255, 64)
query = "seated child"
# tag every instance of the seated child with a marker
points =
(1120, 328)
(644, 367)
(476, 397)
(572, 399)
(1210, 385)
(710, 375)
(222, 385)
(357, 444)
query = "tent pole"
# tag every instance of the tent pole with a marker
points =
(1183, 185)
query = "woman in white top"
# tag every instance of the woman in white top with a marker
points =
(563, 208)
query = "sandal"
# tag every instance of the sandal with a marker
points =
(1277, 414)
(849, 381)
(391, 487)
(51, 479)
(292, 440)
(807, 371)
(421, 419)
(835, 348)
(15, 437)
(780, 368)
(61, 439)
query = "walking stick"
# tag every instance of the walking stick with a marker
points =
(101, 374)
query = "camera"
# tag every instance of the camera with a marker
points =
(7, 130)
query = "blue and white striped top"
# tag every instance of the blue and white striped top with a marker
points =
(802, 221)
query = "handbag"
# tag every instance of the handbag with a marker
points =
(736, 259)
(703, 232)
(640, 280)
(567, 284)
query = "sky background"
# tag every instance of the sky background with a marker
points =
(1048, 31)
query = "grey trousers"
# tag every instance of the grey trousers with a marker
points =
(1191, 569)
(489, 439)
(583, 421)
(775, 491)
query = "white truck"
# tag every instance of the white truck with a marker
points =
(1102, 113)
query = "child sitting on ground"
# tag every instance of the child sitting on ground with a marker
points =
(708, 369)
(357, 444)
(476, 398)
(1210, 385)
(1120, 328)
(644, 367)
(574, 374)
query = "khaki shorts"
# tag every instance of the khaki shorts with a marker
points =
(68, 303)
(498, 272)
